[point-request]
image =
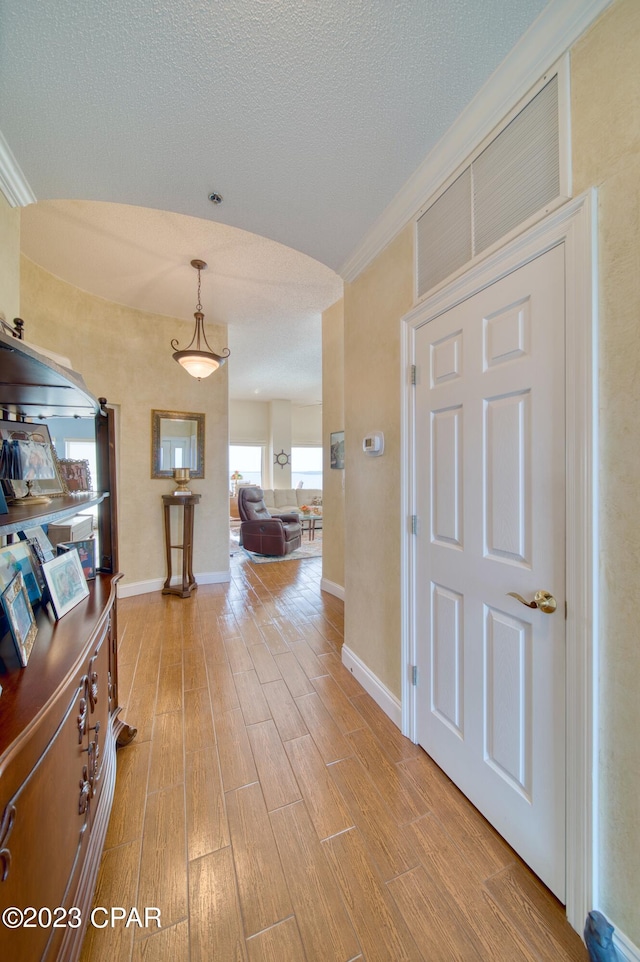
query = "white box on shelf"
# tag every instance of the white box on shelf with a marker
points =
(77, 528)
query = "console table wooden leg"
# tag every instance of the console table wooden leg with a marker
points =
(167, 538)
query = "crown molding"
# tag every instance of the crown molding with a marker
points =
(545, 42)
(13, 184)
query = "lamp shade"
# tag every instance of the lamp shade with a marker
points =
(27, 461)
(36, 461)
(197, 363)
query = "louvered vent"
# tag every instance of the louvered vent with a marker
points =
(515, 176)
(444, 233)
(519, 172)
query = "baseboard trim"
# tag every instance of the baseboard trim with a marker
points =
(382, 696)
(332, 588)
(625, 947)
(156, 584)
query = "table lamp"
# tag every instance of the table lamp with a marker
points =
(27, 461)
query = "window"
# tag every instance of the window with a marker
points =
(245, 460)
(306, 467)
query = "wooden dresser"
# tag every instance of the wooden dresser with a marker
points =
(59, 716)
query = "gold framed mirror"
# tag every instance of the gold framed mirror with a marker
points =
(177, 441)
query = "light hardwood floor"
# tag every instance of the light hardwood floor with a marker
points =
(273, 813)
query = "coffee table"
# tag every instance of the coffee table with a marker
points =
(308, 523)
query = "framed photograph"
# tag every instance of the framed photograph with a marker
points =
(37, 533)
(66, 582)
(3, 502)
(337, 449)
(86, 552)
(26, 431)
(22, 622)
(37, 561)
(76, 474)
(16, 558)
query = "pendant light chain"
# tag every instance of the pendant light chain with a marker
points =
(199, 305)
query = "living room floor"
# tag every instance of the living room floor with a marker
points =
(271, 811)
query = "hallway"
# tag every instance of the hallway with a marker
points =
(271, 811)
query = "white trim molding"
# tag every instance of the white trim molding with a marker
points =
(132, 588)
(332, 588)
(626, 949)
(13, 183)
(545, 42)
(382, 696)
(574, 227)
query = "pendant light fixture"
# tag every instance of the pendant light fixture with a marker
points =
(197, 361)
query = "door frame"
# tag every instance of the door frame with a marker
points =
(573, 226)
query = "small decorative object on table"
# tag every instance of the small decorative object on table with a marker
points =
(181, 476)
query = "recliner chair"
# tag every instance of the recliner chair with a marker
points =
(263, 533)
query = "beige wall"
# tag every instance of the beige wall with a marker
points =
(332, 420)
(248, 422)
(306, 424)
(373, 306)
(606, 150)
(9, 261)
(605, 80)
(125, 356)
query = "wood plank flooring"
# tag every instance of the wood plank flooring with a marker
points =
(273, 813)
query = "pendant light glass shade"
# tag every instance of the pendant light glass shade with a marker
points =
(196, 361)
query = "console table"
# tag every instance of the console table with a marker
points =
(187, 502)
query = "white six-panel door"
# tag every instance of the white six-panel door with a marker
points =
(490, 497)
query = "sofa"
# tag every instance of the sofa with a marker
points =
(286, 501)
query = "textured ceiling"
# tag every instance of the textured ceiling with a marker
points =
(269, 295)
(307, 117)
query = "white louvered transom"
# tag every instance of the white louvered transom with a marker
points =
(516, 175)
(444, 234)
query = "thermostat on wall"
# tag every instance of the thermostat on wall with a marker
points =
(373, 443)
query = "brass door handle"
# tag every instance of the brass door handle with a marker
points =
(543, 600)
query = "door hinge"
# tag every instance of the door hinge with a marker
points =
(414, 524)
(414, 375)
(414, 674)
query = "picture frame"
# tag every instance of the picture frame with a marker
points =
(28, 431)
(76, 473)
(37, 533)
(14, 558)
(86, 549)
(37, 559)
(336, 449)
(4, 508)
(22, 622)
(66, 582)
